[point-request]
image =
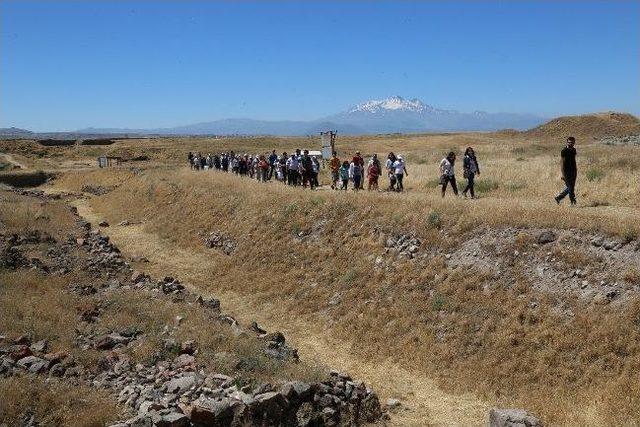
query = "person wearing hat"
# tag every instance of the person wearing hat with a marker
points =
(569, 171)
(400, 170)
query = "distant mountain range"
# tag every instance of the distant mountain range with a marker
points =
(390, 115)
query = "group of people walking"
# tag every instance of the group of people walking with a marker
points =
(470, 168)
(302, 169)
(355, 171)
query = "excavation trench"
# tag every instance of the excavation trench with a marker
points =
(424, 403)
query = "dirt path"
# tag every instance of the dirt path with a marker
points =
(424, 403)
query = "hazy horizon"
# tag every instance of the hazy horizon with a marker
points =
(68, 65)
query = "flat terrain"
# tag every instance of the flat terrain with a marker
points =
(507, 300)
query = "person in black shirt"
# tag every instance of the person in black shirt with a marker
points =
(569, 171)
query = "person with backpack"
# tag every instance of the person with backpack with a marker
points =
(334, 166)
(470, 168)
(373, 172)
(315, 171)
(355, 173)
(569, 171)
(391, 173)
(344, 174)
(447, 173)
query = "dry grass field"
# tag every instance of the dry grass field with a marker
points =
(317, 264)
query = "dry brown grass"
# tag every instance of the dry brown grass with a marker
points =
(489, 340)
(36, 304)
(472, 332)
(41, 306)
(18, 215)
(54, 403)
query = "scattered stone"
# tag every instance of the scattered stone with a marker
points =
(96, 190)
(219, 240)
(393, 403)
(184, 360)
(546, 237)
(180, 385)
(40, 346)
(103, 224)
(512, 418)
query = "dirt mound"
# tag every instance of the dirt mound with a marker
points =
(595, 125)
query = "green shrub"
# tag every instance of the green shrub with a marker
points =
(438, 302)
(349, 276)
(434, 220)
(515, 186)
(594, 174)
(486, 185)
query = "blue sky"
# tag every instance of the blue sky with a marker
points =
(153, 64)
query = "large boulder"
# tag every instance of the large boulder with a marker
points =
(546, 237)
(268, 406)
(212, 413)
(512, 418)
(180, 385)
(173, 419)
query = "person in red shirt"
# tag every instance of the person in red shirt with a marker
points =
(263, 169)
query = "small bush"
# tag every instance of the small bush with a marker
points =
(438, 302)
(486, 185)
(434, 220)
(349, 277)
(515, 186)
(629, 235)
(594, 174)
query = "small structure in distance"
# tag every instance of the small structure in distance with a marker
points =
(328, 140)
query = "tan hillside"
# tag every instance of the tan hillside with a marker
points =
(596, 125)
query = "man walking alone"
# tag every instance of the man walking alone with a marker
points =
(569, 171)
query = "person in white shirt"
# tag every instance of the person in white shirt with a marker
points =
(355, 173)
(399, 170)
(292, 170)
(447, 173)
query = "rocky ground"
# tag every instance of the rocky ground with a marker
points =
(175, 389)
(596, 268)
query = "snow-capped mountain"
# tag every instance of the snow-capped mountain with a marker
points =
(390, 115)
(394, 103)
(396, 114)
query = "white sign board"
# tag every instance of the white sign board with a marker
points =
(325, 138)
